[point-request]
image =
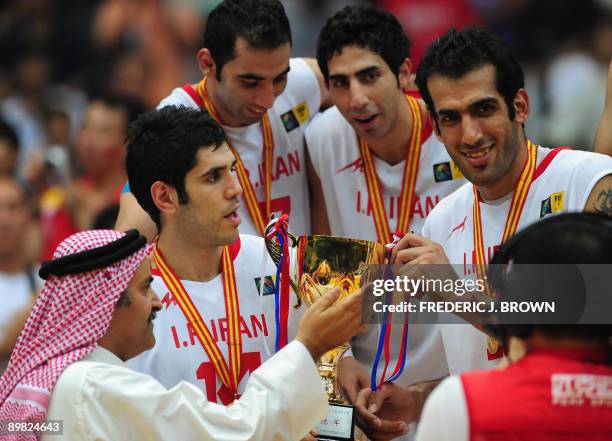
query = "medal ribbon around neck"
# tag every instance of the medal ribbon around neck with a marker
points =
(259, 219)
(516, 208)
(228, 376)
(411, 169)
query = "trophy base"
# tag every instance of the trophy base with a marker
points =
(339, 424)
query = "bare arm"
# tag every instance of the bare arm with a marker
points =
(600, 199)
(603, 138)
(131, 215)
(319, 222)
(325, 98)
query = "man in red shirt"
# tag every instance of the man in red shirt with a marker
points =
(558, 385)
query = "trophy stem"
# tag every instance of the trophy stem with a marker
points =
(328, 370)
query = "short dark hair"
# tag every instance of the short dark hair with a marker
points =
(8, 133)
(163, 146)
(262, 23)
(367, 27)
(457, 53)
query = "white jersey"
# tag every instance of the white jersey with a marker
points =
(336, 157)
(178, 354)
(334, 150)
(563, 181)
(291, 112)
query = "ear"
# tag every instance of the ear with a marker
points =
(205, 61)
(405, 75)
(164, 197)
(521, 106)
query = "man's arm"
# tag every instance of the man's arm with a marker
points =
(113, 402)
(600, 198)
(284, 397)
(319, 222)
(131, 215)
(325, 97)
(603, 138)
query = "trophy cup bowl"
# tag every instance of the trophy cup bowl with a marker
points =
(318, 265)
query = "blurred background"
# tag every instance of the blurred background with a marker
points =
(75, 72)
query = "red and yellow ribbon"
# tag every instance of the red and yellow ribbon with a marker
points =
(411, 170)
(260, 219)
(516, 208)
(229, 375)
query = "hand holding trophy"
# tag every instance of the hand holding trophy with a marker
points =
(318, 264)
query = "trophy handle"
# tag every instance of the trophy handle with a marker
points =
(275, 252)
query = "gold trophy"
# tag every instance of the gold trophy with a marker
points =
(319, 264)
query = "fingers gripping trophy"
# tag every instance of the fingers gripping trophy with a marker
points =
(313, 266)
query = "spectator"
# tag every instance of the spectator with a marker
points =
(100, 150)
(9, 149)
(18, 282)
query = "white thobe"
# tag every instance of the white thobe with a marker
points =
(100, 398)
(445, 414)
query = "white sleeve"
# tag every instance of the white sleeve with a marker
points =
(445, 416)
(284, 399)
(594, 167)
(311, 141)
(302, 83)
(426, 230)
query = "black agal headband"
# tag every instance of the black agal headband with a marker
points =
(95, 258)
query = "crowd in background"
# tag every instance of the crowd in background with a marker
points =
(75, 73)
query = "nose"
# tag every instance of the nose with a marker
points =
(155, 302)
(359, 99)
(265, 95)
(471, 131)
(234, 189)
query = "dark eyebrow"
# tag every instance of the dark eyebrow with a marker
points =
(483, 101)
(252, 76)
(212, 170)
(368, 70)
(282, 74)
(365, 71)
(337, 77)
(475, 104)
(447, 112)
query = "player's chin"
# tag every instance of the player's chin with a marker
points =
(229, 236)
(248, 117)
(150, 342)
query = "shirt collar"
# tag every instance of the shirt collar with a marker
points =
(102, 355)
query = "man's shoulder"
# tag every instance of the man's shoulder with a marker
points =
(566, 158)
(249, 242)
(299, 68)
(330, 118)
(252, 258)
(302, 83)
(450, 203)
(328, 127)
(178, 97)
(76, 376)
(450, 210)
